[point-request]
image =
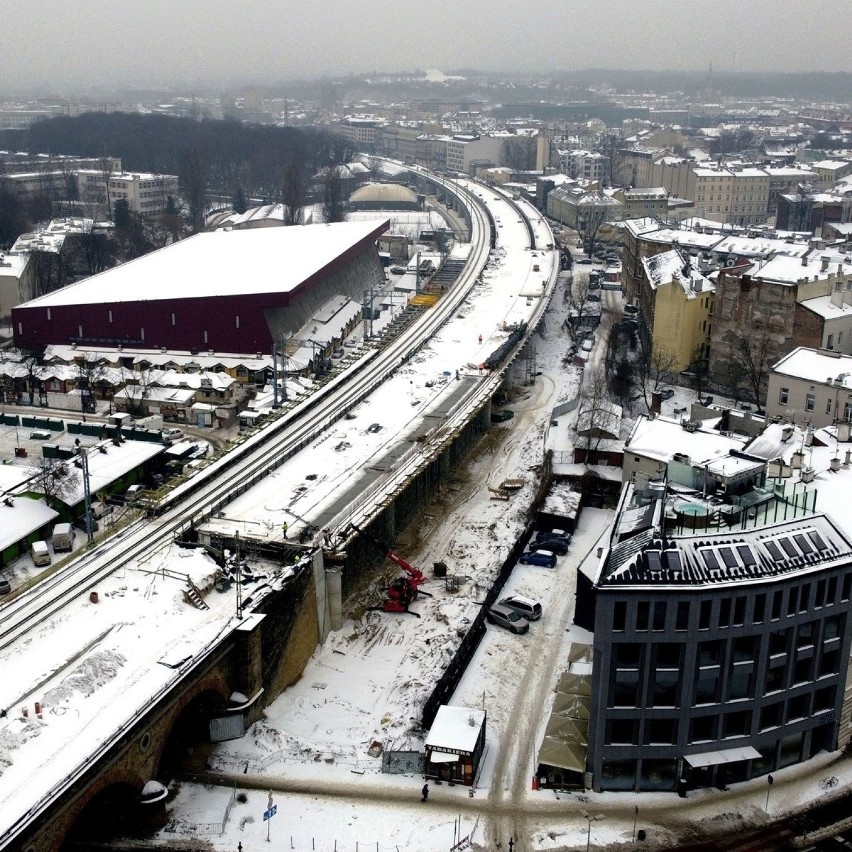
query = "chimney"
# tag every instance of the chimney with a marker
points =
(823, 263)
(804, 260)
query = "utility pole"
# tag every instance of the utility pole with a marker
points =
(87, 496)
(274, 377)
(239, 572)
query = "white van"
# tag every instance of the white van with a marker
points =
(40, 553)
(62, 538)
(133, 493)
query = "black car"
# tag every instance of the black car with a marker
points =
(555, 545)
(667, 393)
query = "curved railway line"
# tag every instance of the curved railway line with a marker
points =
(242, 467)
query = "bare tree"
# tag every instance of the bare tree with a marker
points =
(753, 356)
(194, 175)
(577, 296)
(92, 370)
(589, 222)
(294, 193)
(654, 371)
(48, 270)
(332, 203)
(594, 412)
(105, 168)
(609, 145)
(698, 371)
(803, 205)
(137, 388)
(374, 166)
(56, 479)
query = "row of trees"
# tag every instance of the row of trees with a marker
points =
(209, 157)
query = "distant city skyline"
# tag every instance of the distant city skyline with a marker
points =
(68, 48)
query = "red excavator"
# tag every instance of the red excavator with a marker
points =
(403, 590)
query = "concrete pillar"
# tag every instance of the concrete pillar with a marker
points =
(322, 589)
(248, 675)
(334, 589)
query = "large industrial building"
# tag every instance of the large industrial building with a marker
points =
(229, 291)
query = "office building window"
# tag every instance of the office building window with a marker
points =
(783, 396)
(810, 402)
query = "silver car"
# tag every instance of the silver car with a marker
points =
(505, 617)
(527, 607)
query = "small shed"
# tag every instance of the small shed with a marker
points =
(455, 744)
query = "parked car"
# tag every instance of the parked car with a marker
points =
(509, 618)
(594, 285)
(5, 586)
(171, 436)
(585, 261)
(667, 393)
(555, 545)
(588, 344)
(338, 353)
(631, 310)
(547, 535)
(593, 297)
(527, 607)
(544, 558)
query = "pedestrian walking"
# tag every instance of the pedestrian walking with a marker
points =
(425, 792)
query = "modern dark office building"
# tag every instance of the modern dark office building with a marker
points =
(720, 655)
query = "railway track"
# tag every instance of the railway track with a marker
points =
(245, 465)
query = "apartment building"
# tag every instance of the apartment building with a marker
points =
(145, 194)
(362, 130)
(812, 385)
(677, 306)
(584, 165)
(749, 196)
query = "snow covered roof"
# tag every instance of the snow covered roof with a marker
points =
(13, 263)
(824, 307)
(157, 357)
(455, 729)
(109, 462)
(221, 263)
(670, 267)
(662, 437)
(816, 365)
(23, 517)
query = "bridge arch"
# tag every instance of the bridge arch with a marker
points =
(110, 808)
(185, 732)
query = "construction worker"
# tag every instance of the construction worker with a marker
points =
(284, 528)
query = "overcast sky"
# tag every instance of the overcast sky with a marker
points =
(69, 46)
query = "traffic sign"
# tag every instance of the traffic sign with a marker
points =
(268, 814)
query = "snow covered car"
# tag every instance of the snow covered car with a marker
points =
(546, 535)
(527, 607)
(5, 586)
(544, 558)
(508, 618)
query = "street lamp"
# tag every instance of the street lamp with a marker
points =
(590, 819)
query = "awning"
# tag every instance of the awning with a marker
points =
(728, 755)
(442, 757)
(555, 752)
